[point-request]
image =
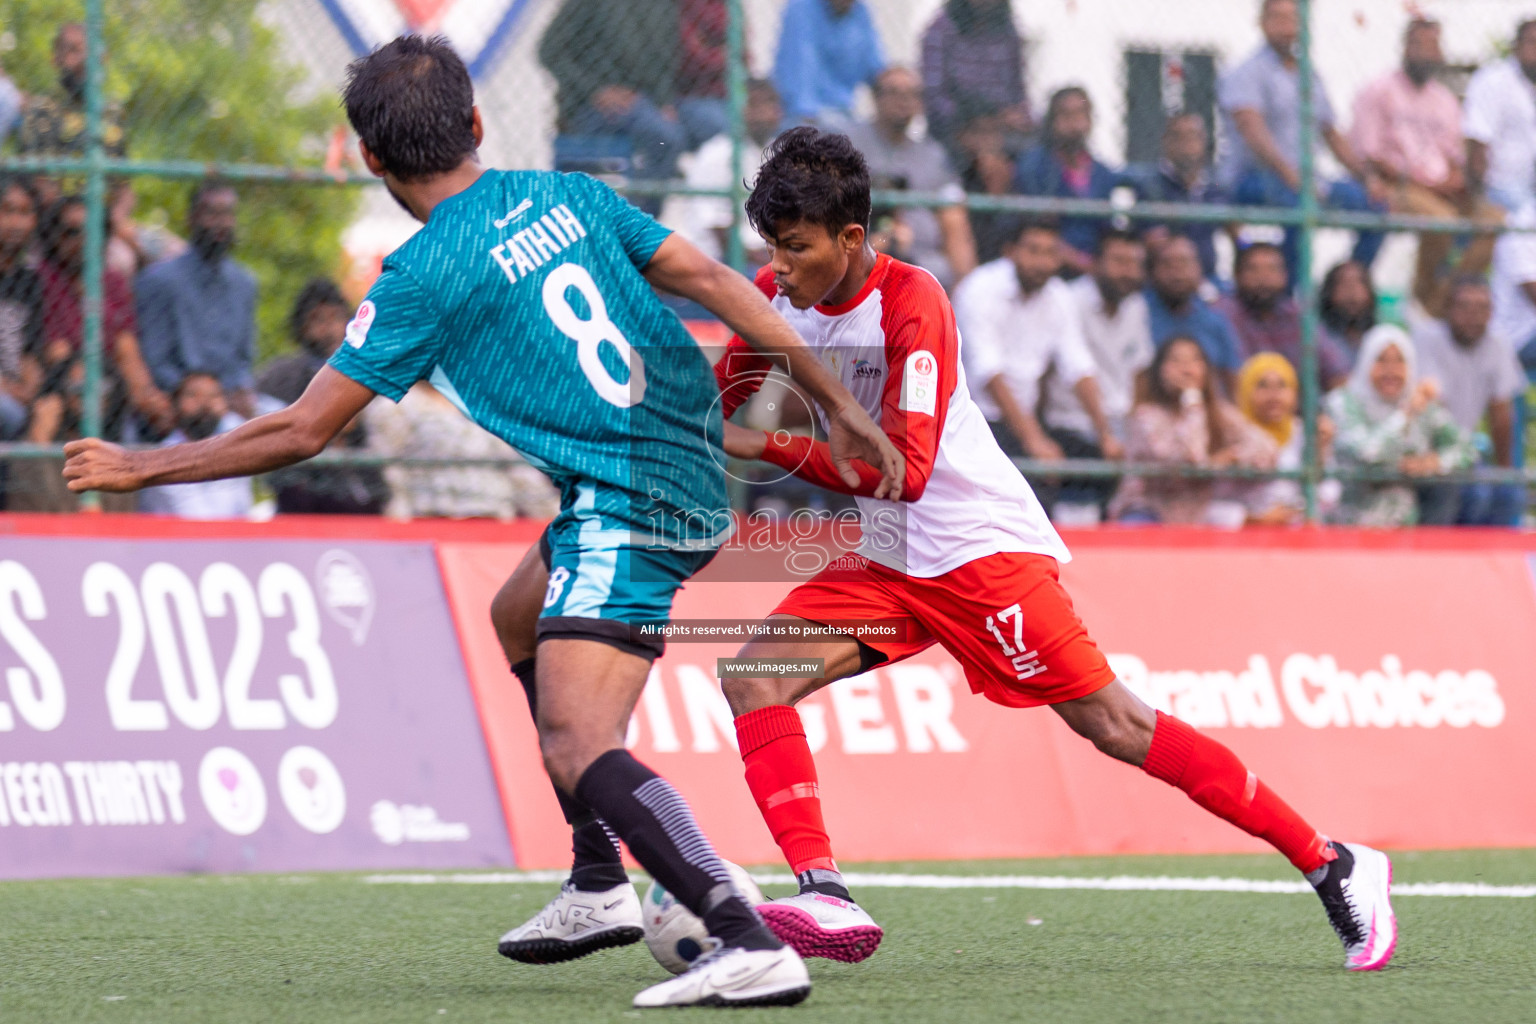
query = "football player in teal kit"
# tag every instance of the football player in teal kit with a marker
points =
(526, 300)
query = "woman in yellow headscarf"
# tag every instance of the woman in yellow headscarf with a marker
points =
(1268, 396)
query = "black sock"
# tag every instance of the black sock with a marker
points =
(596, 865)
(654, 820)
(595, 862)
(828, 883)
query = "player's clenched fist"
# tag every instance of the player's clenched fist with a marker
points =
(92, 464)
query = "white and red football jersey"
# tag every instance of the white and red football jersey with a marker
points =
(896, 348)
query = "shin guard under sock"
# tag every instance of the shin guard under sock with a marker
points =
(1214, 778)
(657, 825)
(782, 777)
(596, 865)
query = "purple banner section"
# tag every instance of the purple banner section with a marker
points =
(233, 705)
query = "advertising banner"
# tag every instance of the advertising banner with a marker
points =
(1386, 693)
(234, 705)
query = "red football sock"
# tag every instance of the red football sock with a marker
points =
(782, 777)
(1215, 779)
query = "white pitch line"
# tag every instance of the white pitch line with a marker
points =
(1116, 883)
(478, 878)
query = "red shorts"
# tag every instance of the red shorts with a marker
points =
(1005, 618)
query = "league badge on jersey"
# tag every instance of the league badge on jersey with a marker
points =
(357, 330)
(920, 384)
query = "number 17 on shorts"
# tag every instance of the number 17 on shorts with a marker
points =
(1026, 663)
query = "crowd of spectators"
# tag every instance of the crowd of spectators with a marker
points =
(179, 364)
(1133, 338)
(1106, 367)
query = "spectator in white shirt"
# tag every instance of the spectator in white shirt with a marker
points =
(1019, 322)
(1479, 378)
(1498, 118)
(201, 412)
(1115, 323)
(706, 220)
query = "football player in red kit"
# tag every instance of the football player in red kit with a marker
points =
(966, 559)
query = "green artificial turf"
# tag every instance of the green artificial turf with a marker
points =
(335, 948)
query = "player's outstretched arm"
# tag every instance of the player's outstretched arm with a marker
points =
(269, 442)
(679, 267)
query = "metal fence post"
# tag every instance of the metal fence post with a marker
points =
(736, 79)
(1306, 169)
(95, 225)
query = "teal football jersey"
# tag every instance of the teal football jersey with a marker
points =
(521, 300)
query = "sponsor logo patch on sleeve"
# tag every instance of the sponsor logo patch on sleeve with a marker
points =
(920, 384)
(357, 330)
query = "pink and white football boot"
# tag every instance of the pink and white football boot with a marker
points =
(814, 924)
(1356, 890)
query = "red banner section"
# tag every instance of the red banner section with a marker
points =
(294, 695)
(1380, 685)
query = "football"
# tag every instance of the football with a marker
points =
(673, 934)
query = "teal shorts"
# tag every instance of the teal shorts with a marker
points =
(604, 587)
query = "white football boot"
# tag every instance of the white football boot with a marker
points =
(734, 977)
(819, 925)
(576, 923)
(1356, 892)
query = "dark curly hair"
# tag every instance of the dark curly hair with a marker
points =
(412, 104)
(810, 175)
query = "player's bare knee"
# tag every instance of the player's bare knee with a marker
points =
(738, 693)
(565, 746)
(1117, 731)
(501, 614)
(502, 609)
(517, 640)
(569, 748)
(1113, 743)
(563, 757)
(1124, 737)
(746, 695)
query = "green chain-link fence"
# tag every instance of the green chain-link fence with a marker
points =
(132, 104)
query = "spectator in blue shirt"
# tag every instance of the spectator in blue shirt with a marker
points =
(1176, 309)
(197, 312)
(1060, 165)
(827, 49)
(1183, 175)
